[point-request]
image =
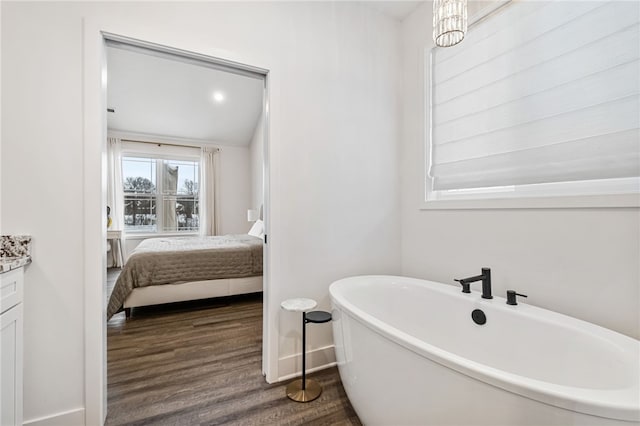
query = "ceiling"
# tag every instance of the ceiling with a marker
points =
(164, 96)
(396, 9)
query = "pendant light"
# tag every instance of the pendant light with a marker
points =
(449, 22)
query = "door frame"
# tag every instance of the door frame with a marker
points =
(94, 226)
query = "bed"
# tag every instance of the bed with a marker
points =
(165, 270)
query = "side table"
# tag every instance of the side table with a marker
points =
(114, 237)
(305, 390)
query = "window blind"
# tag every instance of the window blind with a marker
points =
(538, 92)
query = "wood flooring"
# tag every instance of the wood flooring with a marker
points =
(199, 363)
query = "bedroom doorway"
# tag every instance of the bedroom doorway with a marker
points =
(167, 110)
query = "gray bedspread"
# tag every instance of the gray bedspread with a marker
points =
(158, 261)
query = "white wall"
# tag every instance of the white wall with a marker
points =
(581, 262)
(42, 195)
(234, 188)
(0, 121)
(333, 156)
(256, 154)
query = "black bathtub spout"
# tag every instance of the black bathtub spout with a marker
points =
(486, 283)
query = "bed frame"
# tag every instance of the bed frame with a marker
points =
(169, 293)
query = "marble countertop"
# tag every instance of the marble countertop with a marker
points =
(7, 264)
(15, 252)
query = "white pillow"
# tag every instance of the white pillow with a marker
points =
(257, 230)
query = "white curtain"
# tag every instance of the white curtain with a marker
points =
(208, 191)
(115, 193)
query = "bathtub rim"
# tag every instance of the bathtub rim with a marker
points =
(596, 402)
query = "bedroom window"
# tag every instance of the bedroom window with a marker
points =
(161, 195)
(541, 99)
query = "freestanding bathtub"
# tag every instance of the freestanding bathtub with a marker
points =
(409, 353)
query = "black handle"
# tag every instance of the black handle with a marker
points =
(511, 297)
(466, 287)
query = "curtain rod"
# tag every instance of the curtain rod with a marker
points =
(169, 144)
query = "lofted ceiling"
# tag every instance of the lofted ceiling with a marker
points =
(163, 96)
(396, 9)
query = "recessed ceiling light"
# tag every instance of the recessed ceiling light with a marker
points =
(218, 97)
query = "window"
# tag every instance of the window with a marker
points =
(160, 194)
(540, 99)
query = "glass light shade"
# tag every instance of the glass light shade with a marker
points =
(449, 22)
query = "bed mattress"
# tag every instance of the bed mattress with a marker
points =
(159, 261)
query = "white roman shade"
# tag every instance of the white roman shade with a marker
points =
(539, 92)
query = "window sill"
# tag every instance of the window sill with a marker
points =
(563, 202)
(140, 236)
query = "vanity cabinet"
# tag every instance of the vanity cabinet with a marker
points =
(11, 323)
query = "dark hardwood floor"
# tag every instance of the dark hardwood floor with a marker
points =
(199, 363)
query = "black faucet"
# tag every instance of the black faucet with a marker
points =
(511, 297)
(486, 283)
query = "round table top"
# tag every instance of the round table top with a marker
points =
(318, 317)
(299, 304)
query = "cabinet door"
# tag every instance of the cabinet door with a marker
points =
(11, 288)
(11, 366)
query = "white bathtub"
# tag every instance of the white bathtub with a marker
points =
(409, 354)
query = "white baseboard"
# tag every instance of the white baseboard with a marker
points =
(66, 418)
(317, 359)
